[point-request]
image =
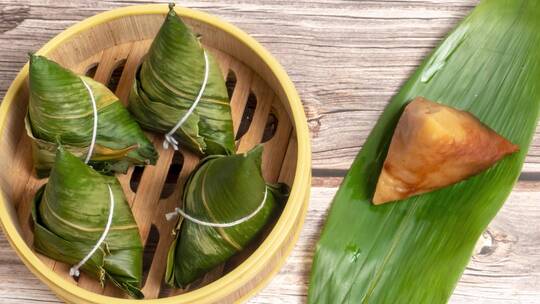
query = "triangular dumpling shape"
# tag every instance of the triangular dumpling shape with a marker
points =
(167, 84)
(434, 146)
(60, 111)
(70, 214)
(221, 189)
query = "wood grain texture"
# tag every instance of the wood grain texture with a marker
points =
(346, 58)
(505, 268)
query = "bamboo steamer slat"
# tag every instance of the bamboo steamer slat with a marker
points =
(265, 108)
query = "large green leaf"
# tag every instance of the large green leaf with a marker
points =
(60, 111)
(222, 189)
(70, 213)
(414, 251)
(167, 85)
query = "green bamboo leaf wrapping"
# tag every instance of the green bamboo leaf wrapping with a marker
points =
(60, 110)
(169, 81)
(221, 190)
(70, 213)
(415, 250)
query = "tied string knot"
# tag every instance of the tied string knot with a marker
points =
(74, 271)
(178, 211)
(169, 138)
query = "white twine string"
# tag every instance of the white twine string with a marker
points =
(74, 271)
(169, 138)
(169, 216)
(94, 130)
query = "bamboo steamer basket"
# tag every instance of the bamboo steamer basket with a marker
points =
(265, 107)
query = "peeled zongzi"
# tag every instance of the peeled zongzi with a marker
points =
(434, 146)
(73, 211)
(61, 111)
(228, 203)
(179, 90)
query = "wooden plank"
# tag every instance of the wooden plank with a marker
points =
(276, 148)
(152, 286)
(393, 45)
(134, 58)
(240, 93)
(254, 134)
(347, 58)
(83, 67)
(110, 60)
(503, 270)
(286, 175)
(149, 191)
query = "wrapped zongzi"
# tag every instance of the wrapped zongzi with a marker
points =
(179, 90)
(82, 218)
(226, 204)
(85, 117)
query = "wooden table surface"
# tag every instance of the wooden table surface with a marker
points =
(347, 58)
